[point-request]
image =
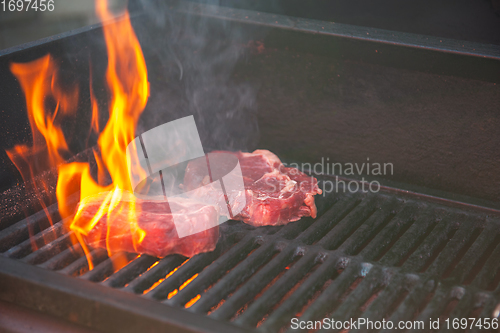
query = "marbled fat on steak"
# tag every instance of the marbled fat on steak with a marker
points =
(274, 194)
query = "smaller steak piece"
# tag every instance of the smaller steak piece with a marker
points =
(274, 194)
(156, 219)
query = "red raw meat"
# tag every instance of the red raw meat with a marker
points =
(157, 220)
(274, 194)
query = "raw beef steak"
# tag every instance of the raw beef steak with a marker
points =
(156, 219)
(273, 194)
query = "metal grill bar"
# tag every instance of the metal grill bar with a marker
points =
(260, 307)
(418, 259)
(437, 305)
(492, 305)
(415, 300)
(196, 265)
(256, 283)
(410, 240)
(386, 238)
(148, 278)
(51, 249)
(330, 298)
(106, 268)
(460, 238)
(479, 247)
(465, 306)
(349, 224)
(391, 294)
(46, 236)
(20, 231)
(330, 219)
(64, 258)
(238, 274)
(372, 226)
(372, 283)
(81, 264)
(131, 271)
(327, 270)
(491, 267)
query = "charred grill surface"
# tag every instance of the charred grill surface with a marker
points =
(373, 255)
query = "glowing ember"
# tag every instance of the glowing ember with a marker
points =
(191, 302)
(188, 282)
(163, 279)
(174, 292)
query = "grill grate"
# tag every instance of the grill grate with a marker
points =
(377, 256)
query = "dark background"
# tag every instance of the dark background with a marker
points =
(324, 97)
(471, 20)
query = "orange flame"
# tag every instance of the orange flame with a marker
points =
(127, 81)
(126, 76)
(38, 80)
(94, 122)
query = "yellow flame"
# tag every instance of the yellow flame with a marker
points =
(38, 80)
(126, 77)
(128, 87)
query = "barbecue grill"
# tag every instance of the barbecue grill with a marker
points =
(405, 253)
